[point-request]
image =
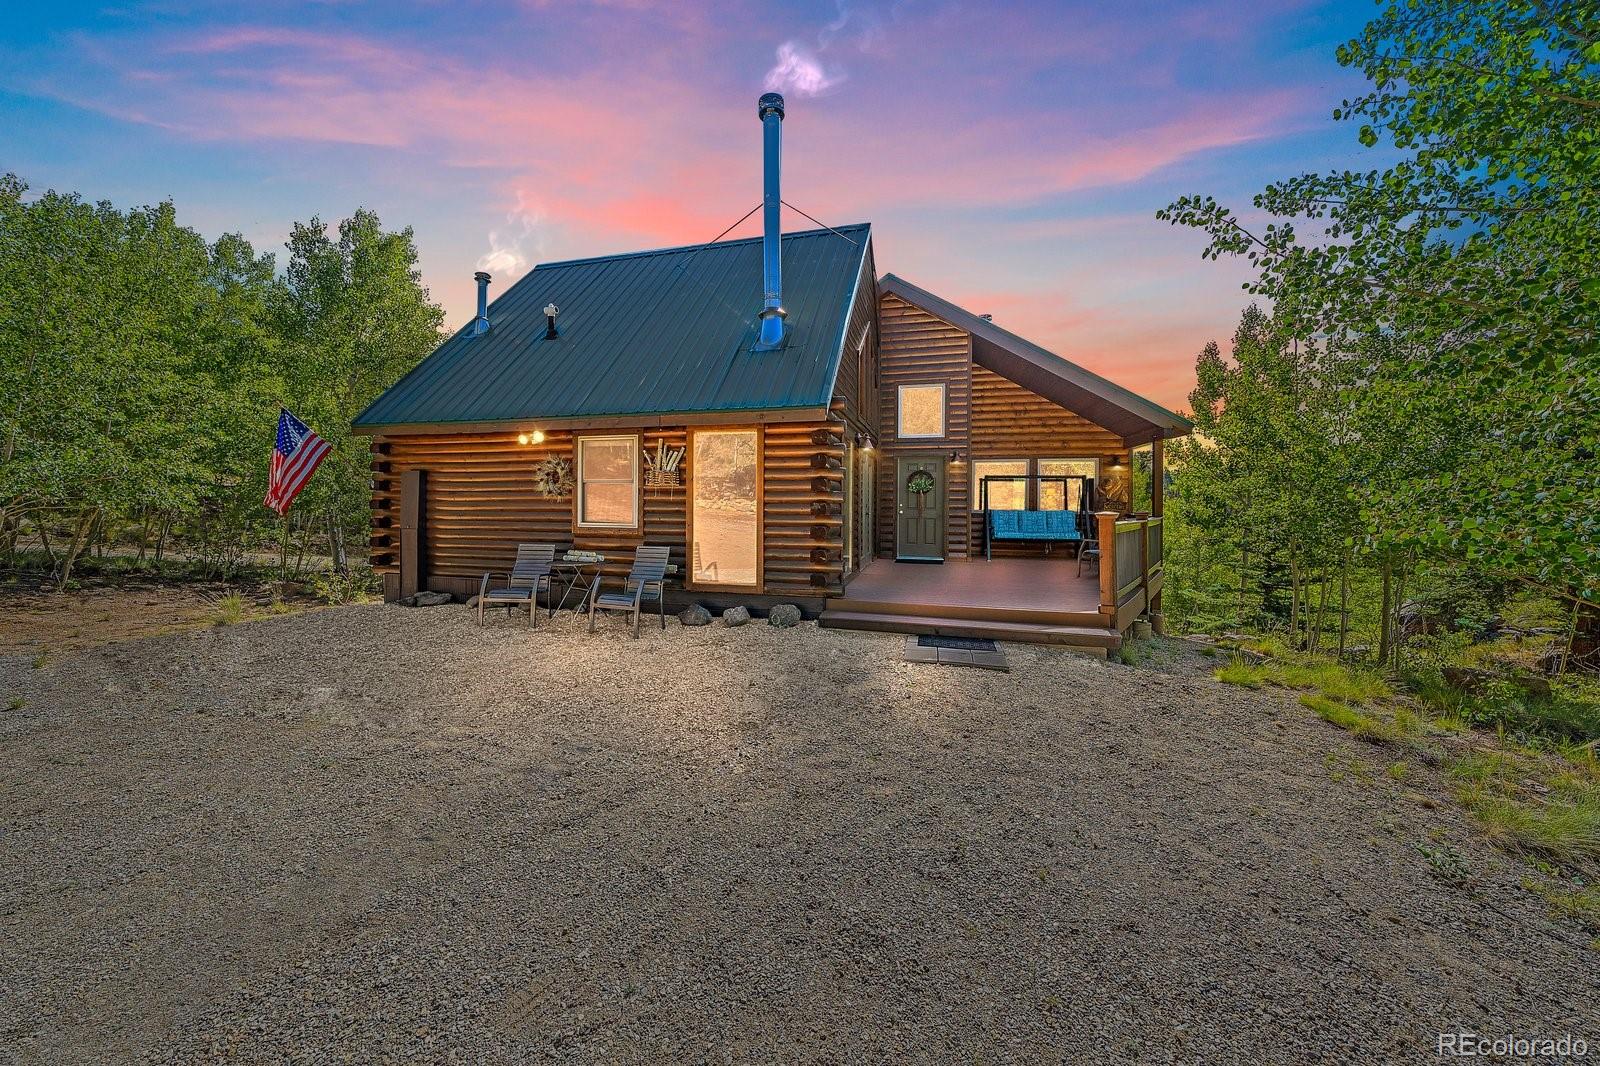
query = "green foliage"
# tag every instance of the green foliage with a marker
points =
(230, 610)
(1333, 679)
(1452, 294)
(142, 369)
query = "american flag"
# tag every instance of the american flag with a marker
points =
(295, 458)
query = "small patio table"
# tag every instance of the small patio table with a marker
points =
(574, 570)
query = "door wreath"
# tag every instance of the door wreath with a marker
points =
(920, 483)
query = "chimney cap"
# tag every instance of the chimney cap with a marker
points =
(770, 102)
(482, 275)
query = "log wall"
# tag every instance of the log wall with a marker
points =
(916, 349)
(480, 504)
(1010, 422)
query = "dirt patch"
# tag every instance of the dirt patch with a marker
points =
(34, 620)
(389, 834)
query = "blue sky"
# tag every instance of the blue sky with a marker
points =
(1011, 157)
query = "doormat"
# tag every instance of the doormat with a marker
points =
(956, 651)
(960, 643)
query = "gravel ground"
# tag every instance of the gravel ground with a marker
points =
(389, 835)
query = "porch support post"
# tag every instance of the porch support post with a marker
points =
(1158, 466)
(1158, 492)
(1106, 530)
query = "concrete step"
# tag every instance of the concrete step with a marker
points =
(1087, 638)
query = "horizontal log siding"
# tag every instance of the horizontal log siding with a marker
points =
(857, 392)
(1010, 422)
(480, 504)
(916, 348)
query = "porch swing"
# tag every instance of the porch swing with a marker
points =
(1048, 526)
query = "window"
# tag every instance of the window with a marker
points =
(725, 509)
(921, 411)
(608, 482)
(1051, 495)
(1003, 495)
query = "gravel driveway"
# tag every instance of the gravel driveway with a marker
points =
(386, 833)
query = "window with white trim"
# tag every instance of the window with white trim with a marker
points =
(920, 411)
(608, 482)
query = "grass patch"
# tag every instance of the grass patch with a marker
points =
(1362, 726)
(16, 703)
(41, 660)
(1239, 672)
(1580, 903)
(1567, 830)
(230, 609)
(1132, 653)
(1398, 771)
(1336, 680)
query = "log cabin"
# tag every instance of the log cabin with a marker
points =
(796, 428)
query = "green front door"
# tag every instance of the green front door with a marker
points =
(919, 498)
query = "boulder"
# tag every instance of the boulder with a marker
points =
(472, 603)
(783, 616)
(429, 599)
(695, 615)
(736, 616)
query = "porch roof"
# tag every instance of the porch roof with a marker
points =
(1105, 403)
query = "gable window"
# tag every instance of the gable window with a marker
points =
(608, 482)
(921, 411)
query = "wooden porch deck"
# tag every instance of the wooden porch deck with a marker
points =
(1033, 600)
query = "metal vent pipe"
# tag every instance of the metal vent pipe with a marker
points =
(770, 109)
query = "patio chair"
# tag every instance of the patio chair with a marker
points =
(1089, 548)
(647, 578)
(529, 575)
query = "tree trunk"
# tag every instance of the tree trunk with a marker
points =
(80, 541)
(144, 536)
(1294, 603)
(1396, 636)
(161, 538)
(1386, 614)
(341, 564)
(1322, 614)
(1344, 603)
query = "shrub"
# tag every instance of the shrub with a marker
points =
(230, 609)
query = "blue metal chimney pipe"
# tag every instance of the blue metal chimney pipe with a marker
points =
(480, 325)
(770, 109)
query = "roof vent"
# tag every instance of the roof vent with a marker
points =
(770, 109)
(480, 325)
(987, 318)
(550, 313)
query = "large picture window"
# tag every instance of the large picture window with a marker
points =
(608, 482)
(1068, 496)
(1039, 495)
(921, 411)
(1003, 495)
(725, 508)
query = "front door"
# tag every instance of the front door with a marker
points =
(919, 499)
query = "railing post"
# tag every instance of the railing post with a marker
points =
(1106, 530)
(1144, 561)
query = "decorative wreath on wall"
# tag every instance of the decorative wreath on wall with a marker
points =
(920, 482)
(553, 476)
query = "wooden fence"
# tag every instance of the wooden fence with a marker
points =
(1131, 566)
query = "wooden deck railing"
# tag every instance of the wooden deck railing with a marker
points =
(1131, 570)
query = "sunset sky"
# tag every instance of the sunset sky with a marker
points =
(1011, 157)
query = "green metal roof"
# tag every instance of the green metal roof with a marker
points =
(647, 333)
